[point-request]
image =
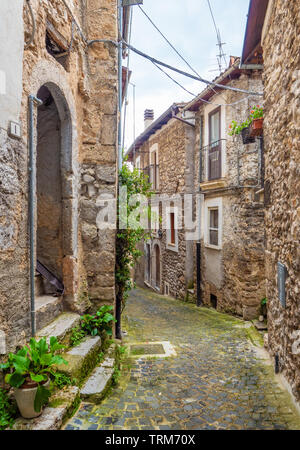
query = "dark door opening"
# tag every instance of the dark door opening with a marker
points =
(157, 267)
(49, 187)
(213, 301)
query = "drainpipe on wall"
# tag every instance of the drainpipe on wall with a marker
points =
(33, 101)
(118, 331)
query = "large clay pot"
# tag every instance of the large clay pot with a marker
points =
(25, 399)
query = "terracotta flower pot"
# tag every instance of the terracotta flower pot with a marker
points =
(257, 127)
(25, 399)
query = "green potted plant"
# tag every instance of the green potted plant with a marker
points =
(29, 372)
(250, 128)
(242, 128)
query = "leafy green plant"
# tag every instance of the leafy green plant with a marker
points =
(61, 380)
(116, 376)
(99, 322)
(236, 128)
(264, 301)
(77, 335)
(100, 357)
(128, 237)
(34, 362)
(7, 411)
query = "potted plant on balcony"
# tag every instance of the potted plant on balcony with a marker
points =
(250, 128)
(29, 371)
(243, 129)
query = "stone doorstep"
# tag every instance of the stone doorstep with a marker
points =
(60, 327)
(47, 308)
(52, 417)
(81, 359)
(97, 384)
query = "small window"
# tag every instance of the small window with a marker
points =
(213, 301)
(57, 46)
(172, 228)
(214, 226)
(154, 170)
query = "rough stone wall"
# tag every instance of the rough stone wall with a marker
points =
(84, 89)
(282, 145)
(235, 273)
(175, 141)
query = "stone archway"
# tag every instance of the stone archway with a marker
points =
(56, 194)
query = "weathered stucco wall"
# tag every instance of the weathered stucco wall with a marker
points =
(282, 138)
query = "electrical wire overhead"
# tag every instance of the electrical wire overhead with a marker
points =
(189, 75)
(220, 44)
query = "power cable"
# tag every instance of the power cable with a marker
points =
(189, 75)
(127, 78)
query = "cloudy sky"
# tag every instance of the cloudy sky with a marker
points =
(189, 26)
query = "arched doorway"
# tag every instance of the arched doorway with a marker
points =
(49, 240)
(56, 202)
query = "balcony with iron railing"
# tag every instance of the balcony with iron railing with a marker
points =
(212, 159)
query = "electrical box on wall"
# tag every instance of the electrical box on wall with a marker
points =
(14, 130)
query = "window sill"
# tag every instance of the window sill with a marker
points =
(213, 184)
(213, 247)
(172, 247)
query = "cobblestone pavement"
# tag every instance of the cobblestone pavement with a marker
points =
(218, 380)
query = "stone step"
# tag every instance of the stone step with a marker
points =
(82, 359)
(47, 309)
(61, 406)
(60, 327)
(99, 381)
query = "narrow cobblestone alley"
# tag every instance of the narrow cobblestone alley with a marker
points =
(216, 381)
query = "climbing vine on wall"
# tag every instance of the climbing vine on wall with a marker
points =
(136, 184)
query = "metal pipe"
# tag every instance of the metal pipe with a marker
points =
(120, 58)
(32, 183)
(120, 152)
(182, 120)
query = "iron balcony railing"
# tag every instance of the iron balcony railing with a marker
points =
(211, 160)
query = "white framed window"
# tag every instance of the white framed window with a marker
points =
(213, 226)
(154, 167)
(215, 134)
(213, 223)
(172, 229)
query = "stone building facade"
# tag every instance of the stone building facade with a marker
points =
(45, 53)
(229, 176)
(278, 36)
(165, 152)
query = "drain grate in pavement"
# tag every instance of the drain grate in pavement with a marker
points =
(162, 349)
(147, 349)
